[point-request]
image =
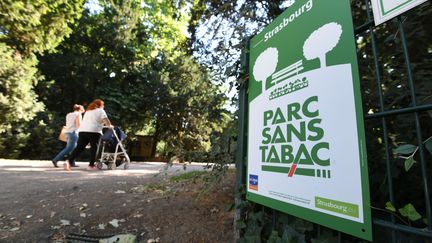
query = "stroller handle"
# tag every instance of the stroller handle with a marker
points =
(114, 132)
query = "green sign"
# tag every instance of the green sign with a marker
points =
(306, 145)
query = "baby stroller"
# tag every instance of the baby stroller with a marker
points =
(112, 150)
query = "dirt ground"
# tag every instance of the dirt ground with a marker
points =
(39, 203)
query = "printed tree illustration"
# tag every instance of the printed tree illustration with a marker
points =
(265, 65)
(322, 41)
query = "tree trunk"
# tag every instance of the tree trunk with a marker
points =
(323, 61)
(155, 139)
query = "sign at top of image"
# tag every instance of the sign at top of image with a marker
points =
(306, 143)
(384, 10)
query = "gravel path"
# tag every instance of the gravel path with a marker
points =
(35, 197)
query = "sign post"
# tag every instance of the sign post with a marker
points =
(306, 145)
(384, 10)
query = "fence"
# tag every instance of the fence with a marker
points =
(395, 62)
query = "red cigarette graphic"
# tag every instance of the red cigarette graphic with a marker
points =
(292, 170)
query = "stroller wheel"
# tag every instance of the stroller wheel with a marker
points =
(111, 166)
(99, 165)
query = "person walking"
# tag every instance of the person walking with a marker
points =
(73, 121)
(90, 131)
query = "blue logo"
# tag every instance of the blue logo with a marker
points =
(253, 182)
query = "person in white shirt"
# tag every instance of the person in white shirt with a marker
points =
(90, 131)
(73, 121)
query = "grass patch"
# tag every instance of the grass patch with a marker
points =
(149, 188)
(192, 176)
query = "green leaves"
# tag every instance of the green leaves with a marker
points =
(28, 28)
(38, 25)
(274, 238)
(409, 162)
(18, 101)
(405, 149)
(411, 150)
(251, 239)
(410, 212)
(390, 207)
(157, 83)
(428, 145)
(240, 224)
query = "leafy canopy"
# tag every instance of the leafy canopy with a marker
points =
(38, 25)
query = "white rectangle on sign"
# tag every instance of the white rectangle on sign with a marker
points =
(384, 10)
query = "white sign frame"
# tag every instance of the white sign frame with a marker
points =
(384, 10)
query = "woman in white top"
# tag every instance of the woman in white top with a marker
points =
(90, 131)
(73, 121)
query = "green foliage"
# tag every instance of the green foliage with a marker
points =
(411, 150)
(103, 58)
(407, 211)
(428, 145)
(38, 25)
(274, 238)
(189, 108)
(256, 224)
(218, 28)
(410, 212)
(326, 237)
(42, 141)
(18, 101)
(131, 54)
(159, 187)
(138, 66)
(405, 149)
(409, 163)
(12, 141)
(390, 207)
(240, 225)
(400, 129)
(167, 23)
(192, 176)
(213, 176)
(27, 28)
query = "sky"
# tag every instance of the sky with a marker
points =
(93, 5)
